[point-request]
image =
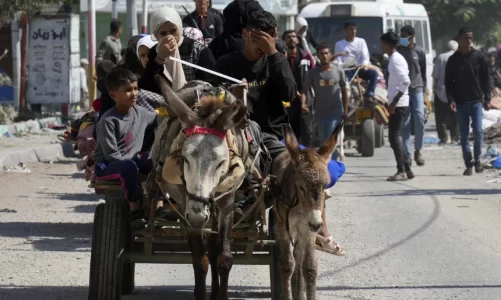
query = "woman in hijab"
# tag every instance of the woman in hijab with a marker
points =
(131, 61)
(304, 36)
(168, 31)
(143, 49)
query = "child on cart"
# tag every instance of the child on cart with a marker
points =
(120, 133)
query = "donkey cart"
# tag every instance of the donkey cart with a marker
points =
(361, 125)
(116, 247)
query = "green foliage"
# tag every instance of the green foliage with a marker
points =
(30, 7)
(447, 16)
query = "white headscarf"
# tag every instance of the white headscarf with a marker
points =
(301, 22)
(194, 34)
(452, 45)
(145, 41)
(172, 70)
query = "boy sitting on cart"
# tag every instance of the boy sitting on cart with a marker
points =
(120, 134)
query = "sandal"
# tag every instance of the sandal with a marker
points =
(331, 247)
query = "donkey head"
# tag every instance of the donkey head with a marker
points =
(205, 152)
(311, 174)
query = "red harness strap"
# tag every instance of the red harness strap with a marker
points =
(202, 130)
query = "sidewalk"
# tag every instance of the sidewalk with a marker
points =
(37, 143)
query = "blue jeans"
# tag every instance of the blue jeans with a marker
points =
(416, 108)
(325, 128)
(127, 172)
(369, 75)
(463, 113)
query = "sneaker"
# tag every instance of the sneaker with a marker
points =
(467, 172)
(397, 177)
(418, 158)
(479, 168)
(410, 174)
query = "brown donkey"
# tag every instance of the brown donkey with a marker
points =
(302, 176)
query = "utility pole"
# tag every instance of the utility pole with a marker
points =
(16, 59)
(144, 27)
(92, 49)
(24, 73)
(131, 18)
(114, 10)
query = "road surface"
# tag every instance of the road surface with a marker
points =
(435, 237)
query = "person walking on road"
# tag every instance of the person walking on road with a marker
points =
(300, 62)
(416, 61)
(330, 86)
(398, 100)
(111, 47)
(468, 86)
(84, 90)
(444, 116)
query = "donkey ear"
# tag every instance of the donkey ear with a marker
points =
(325, 151)
(231, 116)
(291, 143)
(175, 105)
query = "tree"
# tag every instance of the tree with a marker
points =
(447, 16)
(28, 7)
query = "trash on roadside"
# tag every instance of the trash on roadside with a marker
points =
(20, 168)
(6, 210)
(431, 140)
(8, 135)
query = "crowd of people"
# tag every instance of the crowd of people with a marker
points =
(286, 84)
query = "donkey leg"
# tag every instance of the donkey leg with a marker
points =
(200, 264)
(310, 271)
(298, 288)
(224, 258)
(287, 262)
(213, 251)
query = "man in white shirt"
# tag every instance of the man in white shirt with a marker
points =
(444, 116)
(353, 47)
(398, 100)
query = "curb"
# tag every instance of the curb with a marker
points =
(38, 154)
(29, 126)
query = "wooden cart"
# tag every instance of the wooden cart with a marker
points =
(116, 248)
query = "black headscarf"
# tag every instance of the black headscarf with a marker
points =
(236, 15)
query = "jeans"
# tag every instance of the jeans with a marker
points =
(416, 108)
(370, 75)
(126, 171)
(326, 127)
(395, 124)
(445, 119)
(463, 113)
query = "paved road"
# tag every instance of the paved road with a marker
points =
(435, 237)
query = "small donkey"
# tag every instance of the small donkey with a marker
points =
(302, 176)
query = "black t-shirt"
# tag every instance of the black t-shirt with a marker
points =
(211, 24)
(270, 82)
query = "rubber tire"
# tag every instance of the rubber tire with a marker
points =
(109, 266)
(275, 282)
(368, 138)
(95, 251)
(379, 136)
(129, 269)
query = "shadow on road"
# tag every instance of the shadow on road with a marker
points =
(49, 236)
(71, 197)
(141, 293)
(407, 287)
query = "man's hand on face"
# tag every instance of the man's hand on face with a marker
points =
(264, 41)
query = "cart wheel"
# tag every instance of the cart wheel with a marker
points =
(95, 250)
(379, 134)
(108, 262)
(128, 273)
(276, 285)
(368, 138)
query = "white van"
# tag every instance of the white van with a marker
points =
(326, 22)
